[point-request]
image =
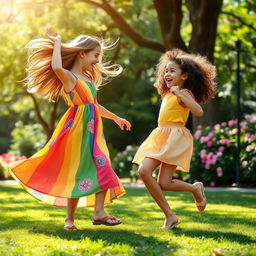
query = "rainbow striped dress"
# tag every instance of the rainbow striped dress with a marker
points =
(75, 162)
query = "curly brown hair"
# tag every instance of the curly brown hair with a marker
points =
(201, 74)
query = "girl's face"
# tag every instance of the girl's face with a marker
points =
(91, 58)
(173, 75)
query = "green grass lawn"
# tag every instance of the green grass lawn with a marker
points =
(228, 226)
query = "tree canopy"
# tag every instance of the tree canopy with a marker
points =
(145, 29)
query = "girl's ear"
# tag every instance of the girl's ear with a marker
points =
(82, 54)
(184, 76)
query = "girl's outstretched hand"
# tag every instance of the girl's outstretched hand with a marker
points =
(49, 33)
(121, 122)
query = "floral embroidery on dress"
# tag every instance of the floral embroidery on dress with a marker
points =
(71, 95)
(100, 160)
(85, 185)
(90, 126)
(69, 124)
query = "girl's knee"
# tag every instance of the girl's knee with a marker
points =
(143, 172)
(163, 184)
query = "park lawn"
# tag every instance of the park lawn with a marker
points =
(227, 227)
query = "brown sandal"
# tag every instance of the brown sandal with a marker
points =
(104, 221)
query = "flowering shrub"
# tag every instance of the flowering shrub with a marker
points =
(6, 159)
(122, 163)
(214, 156)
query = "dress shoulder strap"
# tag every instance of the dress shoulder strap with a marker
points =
(187, 90)
(74, 75)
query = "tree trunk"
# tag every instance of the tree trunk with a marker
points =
(48, 128)
(204, 19)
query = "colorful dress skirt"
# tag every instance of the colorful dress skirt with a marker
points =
(75, 162)
(170, 143)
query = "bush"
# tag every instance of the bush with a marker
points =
(5, 160)
(214, 156)
(27, 139)
(123, 166)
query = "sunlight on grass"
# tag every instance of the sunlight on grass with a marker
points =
(29, 227)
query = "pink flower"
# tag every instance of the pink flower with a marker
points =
(247, 135)
(197, 134)
(219, 172)
(249, 148)
(253, 137)
(221, 149)
(134, 166)
(253, 121)
(254, 159)
(209, 144)
(247, 117)
(212, 184)
(210, 135)
(243, 125)
(225, 142)
(207, 166)
(10, 158)
(232, 122)
(223, 124)
(217, 127)
(233, 131)
(244, 163)
(219, 153)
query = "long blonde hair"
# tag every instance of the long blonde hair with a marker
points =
(41, 78)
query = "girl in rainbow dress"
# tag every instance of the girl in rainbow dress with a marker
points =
(73, 169)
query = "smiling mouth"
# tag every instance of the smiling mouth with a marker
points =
(168, 81)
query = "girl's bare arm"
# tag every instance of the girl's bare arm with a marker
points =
(64, 75)
(121, 122)
(186, 98)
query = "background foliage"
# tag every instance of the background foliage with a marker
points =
(131, 95)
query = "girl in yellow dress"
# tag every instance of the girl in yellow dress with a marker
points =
(184, 81)
(73, 169)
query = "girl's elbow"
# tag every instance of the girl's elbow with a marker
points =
(200, 113)
(56, 68)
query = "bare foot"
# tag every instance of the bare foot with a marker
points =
(199, 196)
(171, 221)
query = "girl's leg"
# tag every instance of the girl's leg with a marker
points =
(168, 184)
(145, 171)
(71, 208)
(99, 212)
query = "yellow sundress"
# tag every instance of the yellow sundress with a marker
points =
(171, 142)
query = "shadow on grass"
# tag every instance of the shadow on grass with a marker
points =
(143, 245)
(136, 205)
(216, 235)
